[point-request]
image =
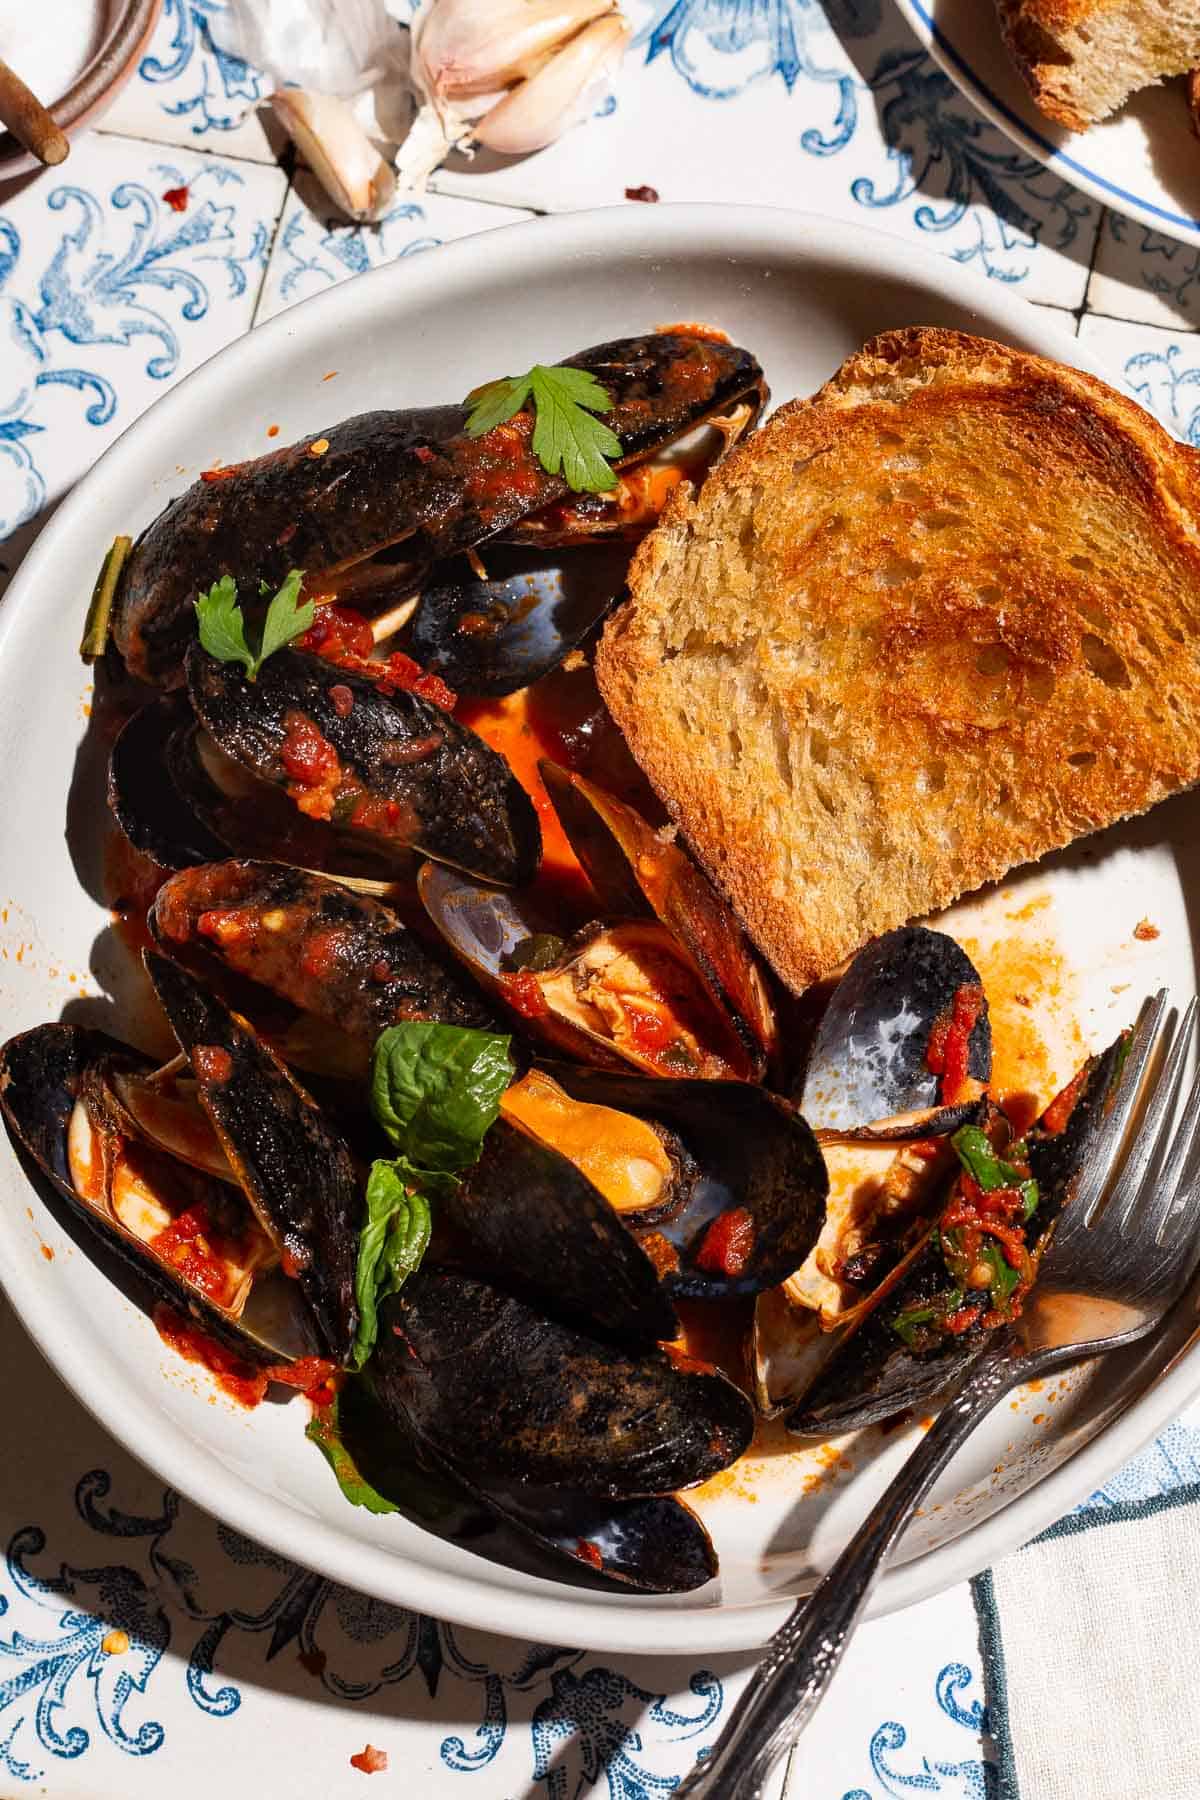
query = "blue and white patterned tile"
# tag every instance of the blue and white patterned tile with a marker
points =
(1160, 368)
(834, 109)
(189, 91)
(109, 293)
(1139, 274)
(143, 1643)
(314, 251)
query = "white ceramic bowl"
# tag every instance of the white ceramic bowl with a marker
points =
(803, 293)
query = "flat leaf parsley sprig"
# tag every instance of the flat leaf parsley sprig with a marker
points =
(223, 627)
(566, 437)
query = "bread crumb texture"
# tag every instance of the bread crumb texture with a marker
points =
(1082, 58)
(932, 623)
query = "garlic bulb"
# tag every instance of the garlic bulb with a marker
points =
(338, 150)
(510, 74)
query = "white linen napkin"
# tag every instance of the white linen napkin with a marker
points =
(1091, 1641)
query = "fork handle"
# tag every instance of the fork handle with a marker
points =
(805, 1652)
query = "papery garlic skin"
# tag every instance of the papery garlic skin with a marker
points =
(465, 48)
(341, 155)
(560, 94)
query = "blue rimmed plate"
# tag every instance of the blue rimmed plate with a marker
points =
(1145, 161)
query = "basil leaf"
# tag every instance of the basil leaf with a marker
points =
(391, 1245)
(980, 1161)
(285, 619)
(222, 628)
(435, 1090)
(325, 1431)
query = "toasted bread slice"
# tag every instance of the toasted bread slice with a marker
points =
(1081, 59)
(934, 622)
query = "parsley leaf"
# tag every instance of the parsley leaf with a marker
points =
(567, 439)
(223, 628)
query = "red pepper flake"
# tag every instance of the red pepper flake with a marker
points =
(212, 1063)
(342, 700)
(727, 1243)
(948, 1051)
(329, 376)
(589, 1553)
(1145, 932)
(523, 992)
(370, 1761)
(176, 199)
(318, 447)
(424, 454)
(48, 1253)
(272, 431)
(645, 193)
(662, 1253)
(219, 474)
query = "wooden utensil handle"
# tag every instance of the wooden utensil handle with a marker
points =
(28, 119)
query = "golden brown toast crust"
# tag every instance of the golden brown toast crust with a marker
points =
(1081, 59)
(934, 622)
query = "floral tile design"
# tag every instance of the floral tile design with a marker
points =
(118, 274)
(831, 109)
(1139, 274)
(189, 91)
(314, 251)
(1160, 368)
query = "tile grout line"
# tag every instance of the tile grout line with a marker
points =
(142, 137)
(289, 188)
(1083, 308)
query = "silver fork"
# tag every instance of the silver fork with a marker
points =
(1107, 1279)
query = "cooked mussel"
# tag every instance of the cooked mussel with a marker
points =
(506, 1393)
(384, 767)
(492, 634)
(937, 1319)
(342, 958)
(365, 506)
(743, 1201)
(297, 1172)
(906, 1027)
(158, 1197)
(639, 872)
(142, 797)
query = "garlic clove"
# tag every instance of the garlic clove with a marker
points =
(560, 94)
(463, 48)
(342, 157)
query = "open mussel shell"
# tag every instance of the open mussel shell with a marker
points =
(496, 935)
(506, 1393)
(540, 1223)
(297, 1172)
(869, 1060)
(343, 958)
(387, 768)
(491, 636)
(142, 797)
(752, 1206)
(636, 870)
(875, 1374)
(56, 1084)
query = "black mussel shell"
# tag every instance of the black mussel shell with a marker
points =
(875, 1374)
(42, 1076)
(753, 1155)
(424, 781)
(343, 957)
(540, 1225)
(298, 1174)
(506, 1393)
(142, 797)
(636, 870)
(491, 637)
(869, 1058)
